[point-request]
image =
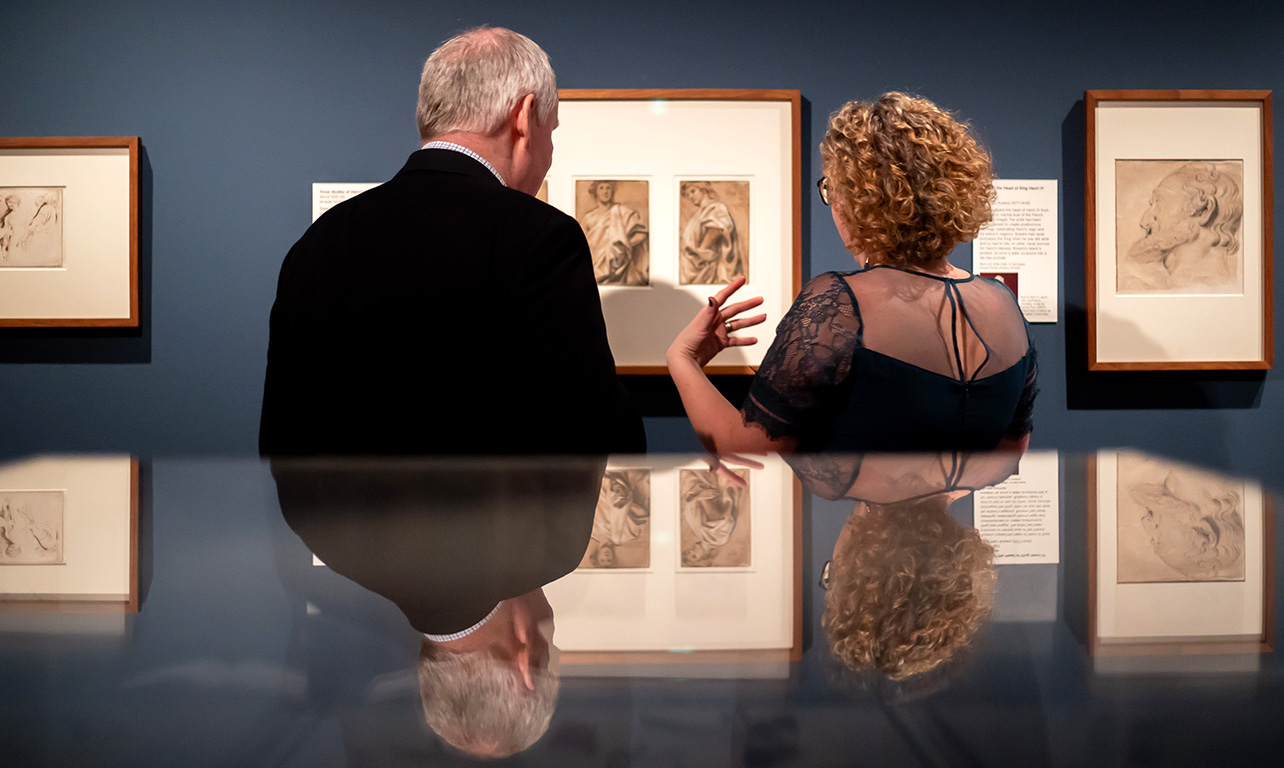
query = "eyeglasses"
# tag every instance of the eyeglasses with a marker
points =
(822, 186)
(824, 575)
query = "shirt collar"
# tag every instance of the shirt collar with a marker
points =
(453, 147)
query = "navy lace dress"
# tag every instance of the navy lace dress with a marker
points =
(887, 359)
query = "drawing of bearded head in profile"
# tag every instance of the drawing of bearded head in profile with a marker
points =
(1191, 232)
(1194, 527)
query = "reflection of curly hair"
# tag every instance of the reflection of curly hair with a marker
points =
(908, 590)
(907, 179)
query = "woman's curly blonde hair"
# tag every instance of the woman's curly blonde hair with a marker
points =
(908, 590)
(907, 179)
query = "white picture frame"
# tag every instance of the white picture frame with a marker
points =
(667, 137)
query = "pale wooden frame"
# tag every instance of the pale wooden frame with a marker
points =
(1176, 100)
(1196, 644)
(90, 144)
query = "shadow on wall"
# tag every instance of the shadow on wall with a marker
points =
(97, 345)
(1106, 390)
(655, 394)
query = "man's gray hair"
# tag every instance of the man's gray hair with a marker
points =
(473, 81)
(480, 705)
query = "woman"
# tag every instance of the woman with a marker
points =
(908, 587)
(908, 353)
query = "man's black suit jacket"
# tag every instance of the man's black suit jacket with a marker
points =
(442, 312)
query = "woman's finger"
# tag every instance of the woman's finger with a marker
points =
(741, 341)
(718, 298)
(740, 323)
(731, 310)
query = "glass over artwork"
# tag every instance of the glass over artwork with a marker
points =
(980, 609)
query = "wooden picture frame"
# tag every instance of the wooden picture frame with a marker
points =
(69, 231)
(95, 528)
(728, 160)
(1178, 230)
(1130, 611)
(644, 618)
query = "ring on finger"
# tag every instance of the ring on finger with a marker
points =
(727, 325)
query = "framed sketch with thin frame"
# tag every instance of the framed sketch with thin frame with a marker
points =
(680, 192)
(1180, 559)
(676, 569)
(69, 231)
(1178, 232)
(69, 534)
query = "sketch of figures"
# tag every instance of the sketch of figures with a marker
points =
(715, 520)
(714, 225)
(31, 528)
(30, 226)
(615, 215)
(1178, 226)
(1177, 523)
(621, 536)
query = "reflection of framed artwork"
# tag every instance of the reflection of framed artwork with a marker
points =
(69, 231)
(1178, 231)
(680, 192)
(69, 534)
(714, 584)
(1180, 559)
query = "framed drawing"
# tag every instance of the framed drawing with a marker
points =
(1178, 232)
(679, 192)
(1180, 560)
(69, 231)
(69, 534)
(678, 571)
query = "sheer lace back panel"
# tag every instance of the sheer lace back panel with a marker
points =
(886, 359)
(964, 329)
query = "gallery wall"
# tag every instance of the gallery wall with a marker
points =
(242, 105)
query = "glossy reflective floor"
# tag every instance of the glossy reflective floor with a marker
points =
(1111, 609)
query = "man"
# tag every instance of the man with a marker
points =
(617, 237)
(463, 548)
(1191, 231)
(448, 310)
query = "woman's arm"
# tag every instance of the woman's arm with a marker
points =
(717, 422)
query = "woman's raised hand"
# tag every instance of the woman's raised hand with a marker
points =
(710, 331)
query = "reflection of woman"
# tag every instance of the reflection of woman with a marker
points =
(909, 353)
(711, 251)
(908, 587)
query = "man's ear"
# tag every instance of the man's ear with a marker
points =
(524, 117)
(524, 650)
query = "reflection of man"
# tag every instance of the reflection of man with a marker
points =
(710, 243)
(711, 511)
(464, 551)
(1194, 525)
(617, 238)
(408, 316)
(1191, 234)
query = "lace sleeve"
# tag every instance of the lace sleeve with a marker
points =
(1023, 419)
(809, 358)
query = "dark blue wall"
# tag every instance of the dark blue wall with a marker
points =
(242, 105)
